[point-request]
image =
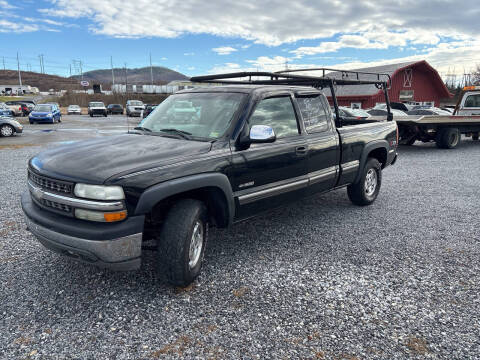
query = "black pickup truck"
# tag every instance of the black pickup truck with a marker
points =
(227, 153)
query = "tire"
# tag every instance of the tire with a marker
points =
(411, 141)
(91, 115)
(105, 114)
(365, 191)
(176, 258)
(7, 130)
(475, 137)
(447, 138)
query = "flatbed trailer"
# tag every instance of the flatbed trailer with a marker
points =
(444, 130)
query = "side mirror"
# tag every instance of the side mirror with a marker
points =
(261, 134)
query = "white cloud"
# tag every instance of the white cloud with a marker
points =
(16, 27)
(189, 54)
(224, 50)
(275, 22)
(6, 5)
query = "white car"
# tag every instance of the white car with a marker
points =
(97, 108)
(16, 108)
(134, 108)
(74, 109)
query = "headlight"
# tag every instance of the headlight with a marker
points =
(16, 123)
(49, 115)
(99, 192)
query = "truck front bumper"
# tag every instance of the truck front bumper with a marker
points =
(116, 246)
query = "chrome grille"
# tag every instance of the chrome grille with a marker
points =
(50, 184)
(56, 206)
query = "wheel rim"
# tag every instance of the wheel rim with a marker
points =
(370, 182)
(453, 139)
(6, 130)
(196, 244)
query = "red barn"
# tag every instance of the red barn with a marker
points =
(413, 82)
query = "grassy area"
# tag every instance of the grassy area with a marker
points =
(9, 98)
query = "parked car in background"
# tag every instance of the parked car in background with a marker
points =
(5, 110)
(429, 111)
(134, 108)
(25, 109)
(45, 113)
(25, 105)
(383, 112)
(15, 107)
(395, 105)
(115, 109)
(97, 108)
(349, 116)
(9, 126)
(74, 109)
(148, 109)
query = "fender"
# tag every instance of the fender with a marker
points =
(158, 192)
(369, 147)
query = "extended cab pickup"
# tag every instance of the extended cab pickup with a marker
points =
(245, 149)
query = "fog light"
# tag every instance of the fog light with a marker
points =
(100, 216)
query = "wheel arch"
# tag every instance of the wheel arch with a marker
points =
(211, 188)
(375, 149)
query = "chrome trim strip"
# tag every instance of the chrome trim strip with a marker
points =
(39, 193)
(322, 175)
(272, 191)
(350, 166)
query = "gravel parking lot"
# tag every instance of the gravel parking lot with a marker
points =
(320, 279)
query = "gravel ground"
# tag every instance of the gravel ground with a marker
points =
(321, 279)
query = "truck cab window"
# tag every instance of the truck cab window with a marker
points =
(315, 116)
(472, 101)
(277, 113)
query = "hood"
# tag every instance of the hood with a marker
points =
(94, 161)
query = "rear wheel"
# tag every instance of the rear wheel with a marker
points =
(475, 137)
(411, 141)
(447, 138)
(365, 191)
(182, 241)
(7, 130)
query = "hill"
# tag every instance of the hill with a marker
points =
(42, 81)
(161, 75)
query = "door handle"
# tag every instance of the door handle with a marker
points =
(301, 150)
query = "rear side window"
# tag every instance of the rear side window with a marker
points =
(472, 101)
(315, 116)
(277, 113)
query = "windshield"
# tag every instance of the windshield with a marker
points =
(74, 106)
(43, 108)
(205, 115)
(135, 103)
(97, 104)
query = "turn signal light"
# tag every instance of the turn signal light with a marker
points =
(115, 216)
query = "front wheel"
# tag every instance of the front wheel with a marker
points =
(182, 241)
(365, 191)
(7, 130)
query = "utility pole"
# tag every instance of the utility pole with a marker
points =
(4, 63)
(42, 67)
(81, 70)
(126, 79)
(113, 75)
(151, 70)
(70, 70)
(19, 74)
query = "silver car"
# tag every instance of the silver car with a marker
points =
(74, 109)
(9, 126)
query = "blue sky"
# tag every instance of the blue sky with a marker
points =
(198, 37)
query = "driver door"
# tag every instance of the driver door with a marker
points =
(268, 175)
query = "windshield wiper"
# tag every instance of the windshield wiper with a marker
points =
(142, 128)
(184, 134)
